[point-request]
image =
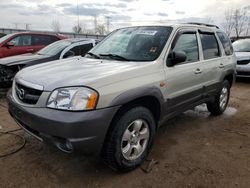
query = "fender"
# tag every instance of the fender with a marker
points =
(136, 93)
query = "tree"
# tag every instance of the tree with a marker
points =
(56, 26)
(240, 19)
(77, 29)
(100, 29)
(229, 22)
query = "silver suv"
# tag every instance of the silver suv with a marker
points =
(112, 101)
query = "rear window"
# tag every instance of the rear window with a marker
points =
(209, 46)
(226, 43)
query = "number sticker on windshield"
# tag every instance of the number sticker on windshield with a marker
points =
(147, 32)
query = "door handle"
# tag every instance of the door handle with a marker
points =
(221, 66)
(197, 71)
(30, 50)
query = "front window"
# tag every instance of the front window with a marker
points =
(242, 45)
(133, 44)
(54, 48)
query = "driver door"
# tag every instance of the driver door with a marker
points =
(184, 85)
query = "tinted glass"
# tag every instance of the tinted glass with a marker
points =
(82, 50)
(226, 43)
(23, 40)
(188, 43)
(43, 40)
(242, 45)
(210, 46)
(134, 43)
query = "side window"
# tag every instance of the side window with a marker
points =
(210, 46)
(226, 43)
(82, 50)
(43, 39)
(188, 43)
(23, 40)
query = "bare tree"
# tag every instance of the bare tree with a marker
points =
(77, 29)
(100, 29)
(56, 26)
(247, 26)
(240, 19)
(229, 22)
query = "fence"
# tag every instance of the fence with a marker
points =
(67, 34)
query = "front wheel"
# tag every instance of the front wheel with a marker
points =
(219, 105)
(130, 139)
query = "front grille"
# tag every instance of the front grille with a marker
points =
(26, 94)
(243, 62)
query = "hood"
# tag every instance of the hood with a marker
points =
(21, 59)
(77, 72)
(242, 55)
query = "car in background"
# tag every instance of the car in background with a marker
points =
(242, 51)
(2, 35)
(62, 49)
(26, 42)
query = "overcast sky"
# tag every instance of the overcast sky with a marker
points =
(40, 13)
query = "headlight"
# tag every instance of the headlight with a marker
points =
(73, 98)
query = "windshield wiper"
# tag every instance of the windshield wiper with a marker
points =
(94, 55)
(115, 56)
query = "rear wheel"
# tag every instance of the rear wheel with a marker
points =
(219, 105)
(130, 139)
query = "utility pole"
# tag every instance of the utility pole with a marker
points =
(27, 26)
(78, 21)
(95, 23)
(108, 23)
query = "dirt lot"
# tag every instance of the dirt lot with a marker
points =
(192, 150)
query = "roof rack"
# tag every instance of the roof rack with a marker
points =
(203, 24)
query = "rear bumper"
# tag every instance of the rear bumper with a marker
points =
(68, 131)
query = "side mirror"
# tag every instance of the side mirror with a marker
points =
(9, 44)
(176, 57)
(69, 54)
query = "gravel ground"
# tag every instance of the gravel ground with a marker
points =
(192, 150)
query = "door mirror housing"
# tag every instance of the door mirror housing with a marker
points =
(9, 44)
(69, 54)
(176, 57)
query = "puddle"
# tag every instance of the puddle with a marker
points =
(230, 111)
(202, 111)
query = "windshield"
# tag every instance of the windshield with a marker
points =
(133, 44)
(242, 46)
(54, 48)
(5, 37)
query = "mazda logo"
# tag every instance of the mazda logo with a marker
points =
(21, 93)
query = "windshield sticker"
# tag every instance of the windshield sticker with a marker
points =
(147, 32)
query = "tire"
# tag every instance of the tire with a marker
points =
(219, 105)
(128, 144)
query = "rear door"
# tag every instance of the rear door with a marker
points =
(212, 61)
(184, 86)
(40, 41)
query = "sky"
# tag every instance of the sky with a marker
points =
(39, 14)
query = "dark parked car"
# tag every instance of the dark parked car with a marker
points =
(2, 34)
(27, 42)
(66, 48)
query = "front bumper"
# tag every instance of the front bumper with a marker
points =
(68, 131)
(243, 70)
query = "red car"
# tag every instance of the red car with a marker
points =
(26, 42)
